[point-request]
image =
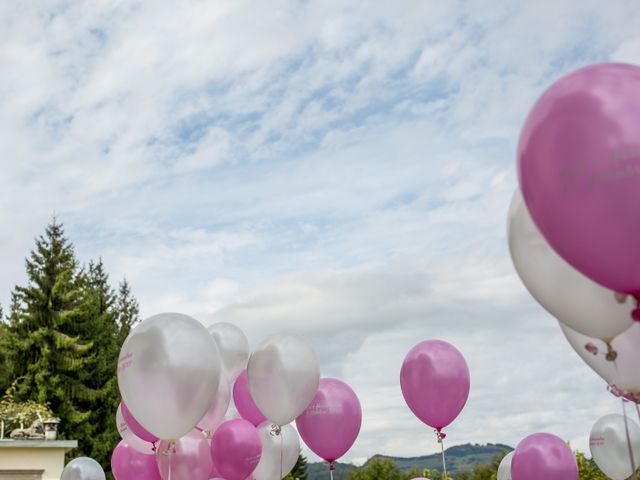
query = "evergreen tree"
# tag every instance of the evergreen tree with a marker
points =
(299, 471)
(127, 311)
(100, 326)
(44, 352)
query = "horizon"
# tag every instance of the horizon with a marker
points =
(327, 169)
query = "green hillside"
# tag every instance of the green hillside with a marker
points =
(460, 457)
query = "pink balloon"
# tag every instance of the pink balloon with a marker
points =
(236, 449)
(332, 421)
(543, 456)
(579, 170)
(137, 429)
(188, 458)
(245, 405)
(129, 464)
(435, 382)
(215, 415)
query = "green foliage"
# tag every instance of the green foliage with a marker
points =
(61, 342)
(299, 471)
(16, 414)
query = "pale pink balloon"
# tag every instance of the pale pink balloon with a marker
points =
(137, 429)
(331, 423)
(130, 464)
(215, 415)
(188, 458)
(579, 171)
(236, 449)
(244, 403)
(435, 382)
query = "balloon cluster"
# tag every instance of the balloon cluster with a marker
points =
(177, 378)
(572, 233)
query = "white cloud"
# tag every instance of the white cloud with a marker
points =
(333, 168)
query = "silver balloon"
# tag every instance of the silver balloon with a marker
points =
(504, 470)
(283, 376)
(568, 295)
(617, 363)
(83, 468)
(233, 346)
(168, 373)
(218, 409)
(285, 446)
(609, 446)
(131, 438)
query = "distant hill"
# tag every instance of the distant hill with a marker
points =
(460, 457)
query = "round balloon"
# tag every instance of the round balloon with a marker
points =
(543, 455)
(504, 469)
(233, 347)
(245, 405)
(83, 468)
(188, 458)
(279, 452)
(218, 409)
(236, 449)
(610, 448)
(283, 375)
(137, 429)
(617, 363)
(129, 464)
(129, 438)
(579, 170)
(435, 382)
(331, 423)
(168, 373)
(568, 295)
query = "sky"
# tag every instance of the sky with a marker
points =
(339, 170)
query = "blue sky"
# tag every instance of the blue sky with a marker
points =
(335, 169)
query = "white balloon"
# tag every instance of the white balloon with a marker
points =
(609, 446)
(504, 470)
(624, 372)
(283, 376)
(168, 373)
(83, 468)
(568, 295)
(274, 447)
(233, 347)
(131, 438)
(218, 409)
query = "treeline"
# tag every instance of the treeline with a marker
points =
(385, 469)
(59, 342)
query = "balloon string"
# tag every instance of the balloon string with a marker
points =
(441, 436)
(626, 428)
(281, 453)
(638, 411)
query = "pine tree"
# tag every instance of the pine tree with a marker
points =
(100, 326)
(127, 311)
(299, 471)
(44, 352)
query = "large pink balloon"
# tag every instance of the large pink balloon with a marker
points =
(332, 421)
(236, 449)
(435, 382)
(579, 170)
(188, 458)
(137, 429)
(245, 405)
(543, 456)
(129, 464)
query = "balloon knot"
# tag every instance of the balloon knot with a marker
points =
(275, 430)
(171, 448)
(611, 353)
(153, 447)
(620, 297)
(440, 434)
(624, 394)
(332, 467)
